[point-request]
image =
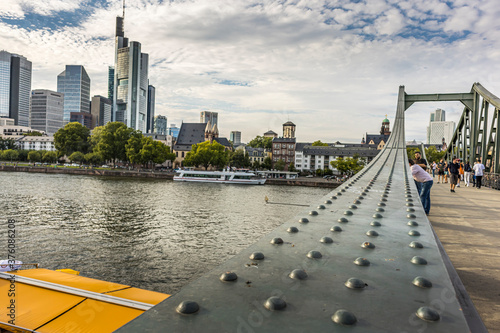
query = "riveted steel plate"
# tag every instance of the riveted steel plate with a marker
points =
(265, 298)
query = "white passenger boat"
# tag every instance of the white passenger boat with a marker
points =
(225, 177)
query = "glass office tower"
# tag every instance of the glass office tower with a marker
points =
(15, 87)
(74, 83)
(130, 94)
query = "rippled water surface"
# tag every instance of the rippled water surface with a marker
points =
(152, 234)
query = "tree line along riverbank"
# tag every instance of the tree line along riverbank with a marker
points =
(311, 182)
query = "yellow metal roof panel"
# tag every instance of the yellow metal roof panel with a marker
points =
(34, 306)
(141, 295)
(92, 316)
(70, 280)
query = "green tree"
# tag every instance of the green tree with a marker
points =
(239, 159)
(267, 164)
(77, 157)
(410, 151)
(279, 165)
(291, 167)
(319, 143)
(7, 143)
(206, 154)
(256, 165)
(110, 142)
(133, 148)
(433, 154)
(23, 155)
(49, 157)
(93, 158)
(261, 142)
(34, 156)
(348, 166)
(72, 138)
(10, 155)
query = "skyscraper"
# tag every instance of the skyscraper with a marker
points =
(74, 83)
(15, 87)
(47, 109)
(130, 91)
(160, 125)
(235, 137)
(111, 82)
(207, 116)
(439, 129)
(151, 110)
(100, 110)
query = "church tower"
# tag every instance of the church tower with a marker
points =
(385, 130)
(289, 130)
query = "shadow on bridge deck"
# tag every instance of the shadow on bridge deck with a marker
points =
(467, 223)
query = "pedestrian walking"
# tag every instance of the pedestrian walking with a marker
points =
(446, 172)
(440, 168)
(460, 172)
(453, 171)
(467, 173)
(479, 172)
(422, 177)
(434, 166)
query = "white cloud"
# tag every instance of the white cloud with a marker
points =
(333, 83)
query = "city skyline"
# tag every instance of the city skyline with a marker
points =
(332, 67)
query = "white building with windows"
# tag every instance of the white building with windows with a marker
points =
(36, 143)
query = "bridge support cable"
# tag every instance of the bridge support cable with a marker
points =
(362, 259)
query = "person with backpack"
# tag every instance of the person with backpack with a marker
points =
(440, 167)
(479, 171)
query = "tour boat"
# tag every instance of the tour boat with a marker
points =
(225, 177)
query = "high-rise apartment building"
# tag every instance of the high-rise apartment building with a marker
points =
(235, 137)
(160, 125)
(100, 110)
(151, 110)
(15, 88)
(439, 130)
(74, 83)
(47, 110)
(130, 91)
(207, 116)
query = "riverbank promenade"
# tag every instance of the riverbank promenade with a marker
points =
(467, 223)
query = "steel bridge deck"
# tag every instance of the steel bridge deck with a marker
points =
(363, 259)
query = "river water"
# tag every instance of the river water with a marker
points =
(151, 234)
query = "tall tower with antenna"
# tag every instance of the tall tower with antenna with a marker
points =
(130, 92)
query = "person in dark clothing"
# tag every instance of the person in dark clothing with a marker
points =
(440, 167)
(467, 173)
(453, 170)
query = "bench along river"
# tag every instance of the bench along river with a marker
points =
(151, 234)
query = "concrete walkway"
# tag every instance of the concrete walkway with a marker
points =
(468, 225)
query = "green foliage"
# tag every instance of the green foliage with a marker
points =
(8, 143)
(33, 133)
(10, 155)
(49, 157)
(144, 150)
(110, 141)
(72, 138)
(267, 164)
(77, 157)
(348, 166)
(34, 156)
(93, 158)
(261, 142)
(206, 154)
(239, 159)
(410, 151)
(328, 172)
(291, 167)
(433, 154)
(319, 143)
(256, 165)
(23, 154)
(279, 165)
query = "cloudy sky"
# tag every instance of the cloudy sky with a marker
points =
(333, 67)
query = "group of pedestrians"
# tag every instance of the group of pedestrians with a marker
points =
(454, 171)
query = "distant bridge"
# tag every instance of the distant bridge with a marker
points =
(364, 259)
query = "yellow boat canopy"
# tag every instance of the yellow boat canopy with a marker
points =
(41, 300)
